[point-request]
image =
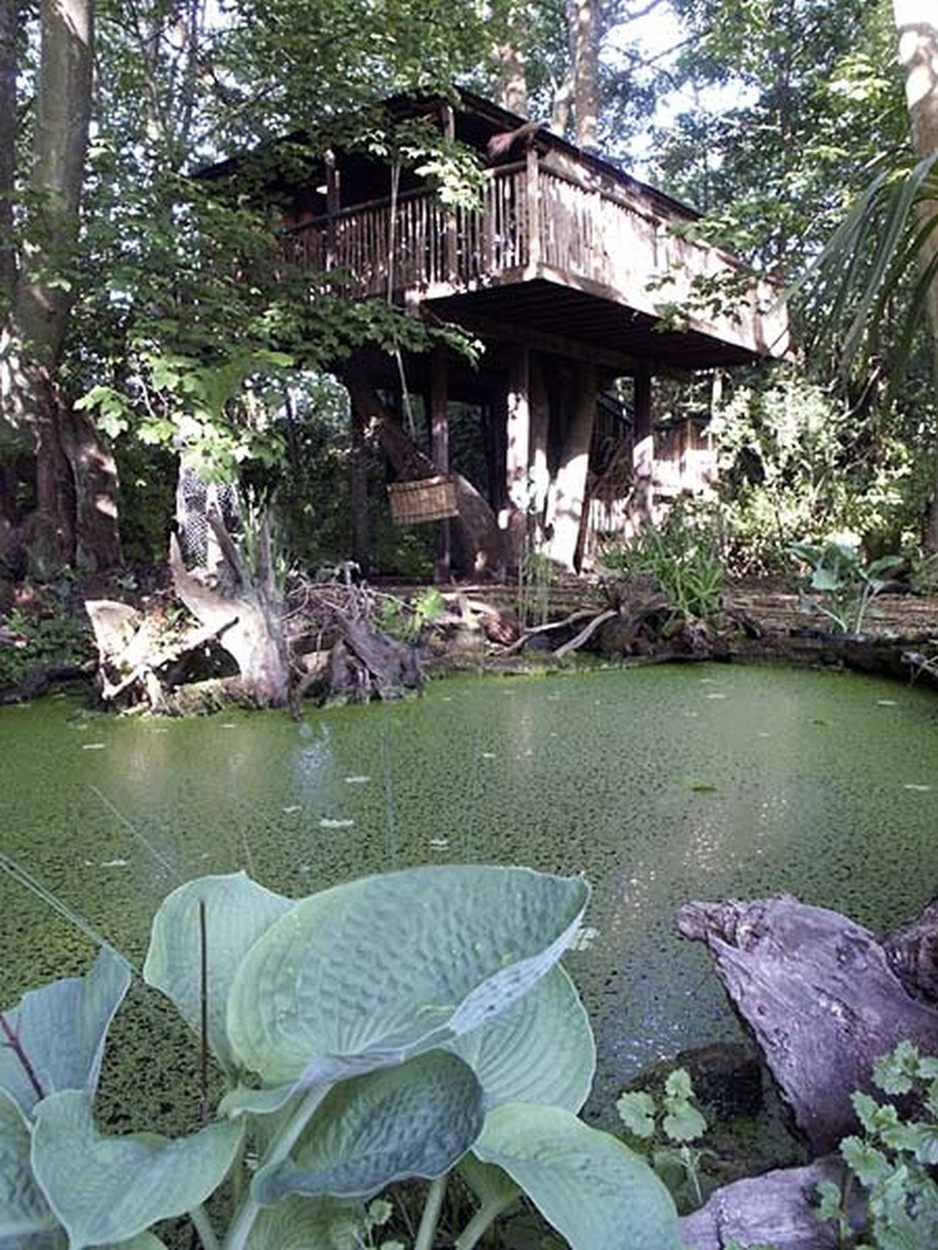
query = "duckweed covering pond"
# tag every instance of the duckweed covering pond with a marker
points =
(659, 784)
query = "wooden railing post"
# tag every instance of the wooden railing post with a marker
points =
(533, 202)
(332, 206)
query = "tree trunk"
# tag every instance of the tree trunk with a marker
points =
(478, 531)
(511, 85)
(248, 621)
(43, 298)
(583, 24)
(9, 21)
(917, 31)
(75, 473)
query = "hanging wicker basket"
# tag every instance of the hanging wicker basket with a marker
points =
(427, 499)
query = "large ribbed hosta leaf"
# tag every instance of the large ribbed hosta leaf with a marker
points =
(308, 1224)
(374, 971)
(416, 1119)
(592, 1188)
(110, 1189)
(540, 1049)
(24, 1211)
(61, 1029)
(237, 912)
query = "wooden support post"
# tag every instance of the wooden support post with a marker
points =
(540, 428)
(359, 489)
(451, 240)
(643, 451)
(517, 454)
(439, 435)
(565, 512)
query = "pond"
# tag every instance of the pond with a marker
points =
(658, 784)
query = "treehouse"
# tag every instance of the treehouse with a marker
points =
(581, 284)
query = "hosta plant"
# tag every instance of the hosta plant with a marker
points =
(391, 1028)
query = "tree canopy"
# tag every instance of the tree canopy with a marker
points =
(144, 310)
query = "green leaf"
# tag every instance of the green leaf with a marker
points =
(540, 1049)
(683, 1123)
(61, 1028)
(869, 1165)
(24, 1211)
(237, 912)
(587, 1184)
(309, 1224)
(636, 1110)
(377, 970)
(110, 1189)
(413, 1120)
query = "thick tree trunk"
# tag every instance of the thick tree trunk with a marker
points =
(511, 85)
(583, 22)
(476, 525)
(917, 29)
(44, 295)
(247, 620)
(75, 473)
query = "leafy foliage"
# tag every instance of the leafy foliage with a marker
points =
(893, 1159)
(45, 633)
(390, 1028)
(841, 584)
(667, 1129)
(682, 556)
(795, 460)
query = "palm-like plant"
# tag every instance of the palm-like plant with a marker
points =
(882, 258)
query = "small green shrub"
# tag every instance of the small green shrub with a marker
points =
(683, 559)
(405, 619)
(537, 575)
(49, 635)
(893, 1159)
(841, 585)
(666, 1130)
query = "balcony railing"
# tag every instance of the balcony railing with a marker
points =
(536, 222)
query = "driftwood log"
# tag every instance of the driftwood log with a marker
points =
(822, 997)
(825, 999)
(777, 1209)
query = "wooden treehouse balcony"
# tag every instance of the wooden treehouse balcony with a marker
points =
(595, 260)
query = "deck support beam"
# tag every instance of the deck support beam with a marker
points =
(439, 447)
(565, 512)
(517, 454)
(643, 451)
